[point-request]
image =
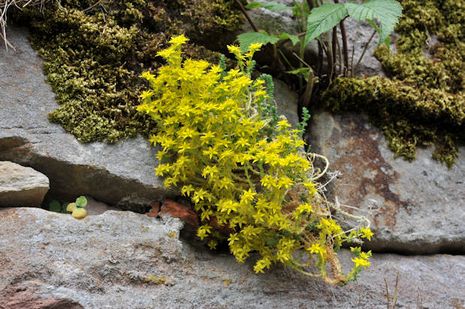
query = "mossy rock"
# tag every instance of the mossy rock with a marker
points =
(422, 99)
(94, 53)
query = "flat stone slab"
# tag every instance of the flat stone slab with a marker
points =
(415, 207)
(126, 260)
(110, 173)
(21, 186)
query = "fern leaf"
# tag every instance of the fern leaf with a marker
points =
(386, 12)
(323, 19)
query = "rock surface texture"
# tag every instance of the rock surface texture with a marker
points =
(110, 173)
(21, 186)
(127, 260)
(415, 207)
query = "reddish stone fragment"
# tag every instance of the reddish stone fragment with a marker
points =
(154, 210)
(177, 210)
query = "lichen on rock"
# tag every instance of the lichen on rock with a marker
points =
(422, 101)
(93, 52)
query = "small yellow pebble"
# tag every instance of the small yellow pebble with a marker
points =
(71, 207)
(79, 213)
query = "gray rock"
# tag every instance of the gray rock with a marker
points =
(95, 207)
(21, 186)
(127, 260)
(415, 207)
(272, 22)
(287, 101)
(109, 173)
(358, 36)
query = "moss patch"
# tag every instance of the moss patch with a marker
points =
(422, 102)
(94, 52)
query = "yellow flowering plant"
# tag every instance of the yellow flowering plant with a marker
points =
(247, 176)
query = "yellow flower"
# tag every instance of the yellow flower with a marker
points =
(317, 249)
(146, 95)
(285, 182)
(200, 195)
(360, 262)
(210, 171)
(203, 231)
(187, 190)
(255, 47)
(147, 75)
(236, 51)
(227, 206)
(259, 217)
(212, 244)
(233, 238)
(179, 40)
(248, 196)
(262, 264)
(268, 182)
(366, 233)
(283, 124)
(302, 209)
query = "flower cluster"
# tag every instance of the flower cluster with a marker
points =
(247, 176)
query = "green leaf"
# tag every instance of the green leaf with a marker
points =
(323, 19)
(81, 202)
(287, 36)
(248, 38)
(269, 5)
(386, 12)
(302, 72)
(254, 5)
(54, 206)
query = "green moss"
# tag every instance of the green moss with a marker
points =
(422, 100)
(93, 55)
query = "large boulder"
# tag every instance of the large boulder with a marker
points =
(21, 186)
(127, 260)
(414, 207)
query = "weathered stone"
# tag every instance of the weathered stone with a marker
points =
(21, 297)
(21, 186)
(358, 36)
(95, 207)
(415, 207)
(287, 101)
(272, 22)
(127, 260)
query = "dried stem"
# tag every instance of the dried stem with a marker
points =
(246, 15)
(4, 6)
(345, 45)
(354, 69)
